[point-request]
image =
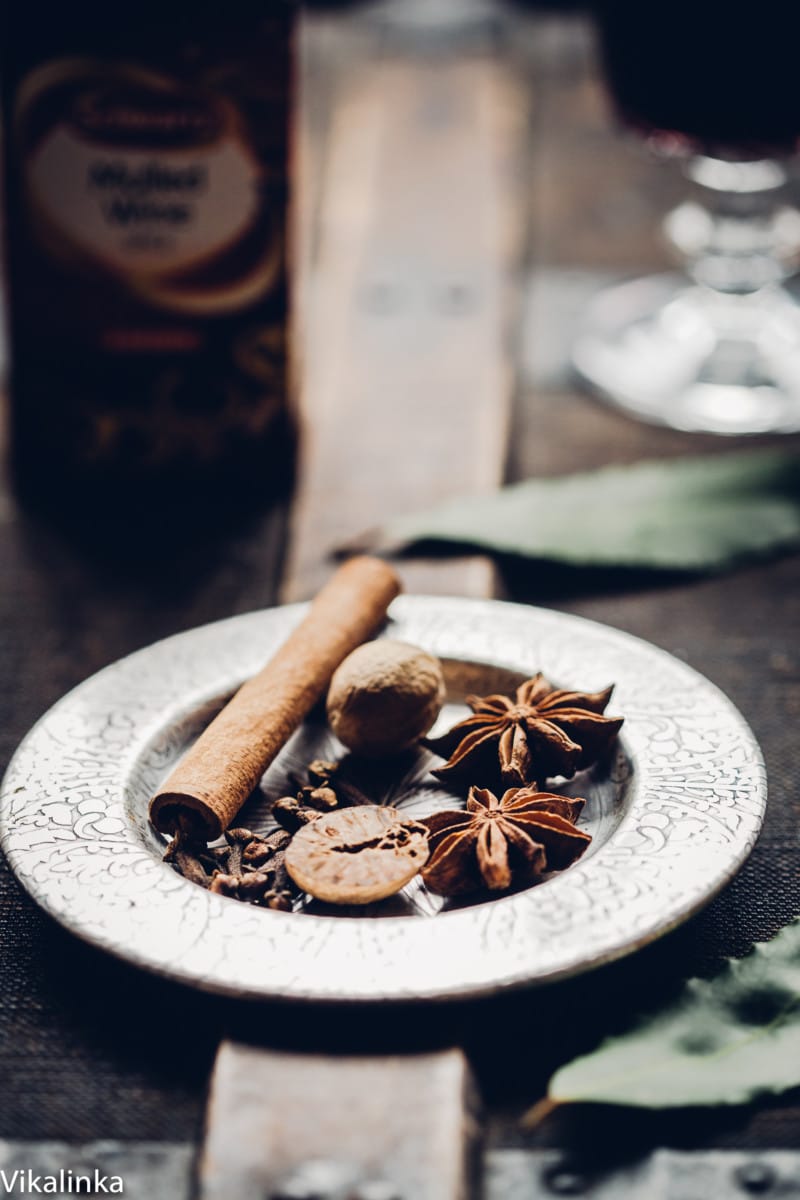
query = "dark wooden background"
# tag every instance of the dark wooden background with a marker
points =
(90, 1048)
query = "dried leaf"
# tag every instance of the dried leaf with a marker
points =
(723, 1041)
(696, 514)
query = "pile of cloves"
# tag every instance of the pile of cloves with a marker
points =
(251, 867)
(325, 791)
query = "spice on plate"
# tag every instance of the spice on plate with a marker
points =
(328, 787)
(326, 790)
(209, 785)
(357, 855)
(249, 867)
(337, 846)
(291, 814)
(498, 843)
(542, 732)
(384, 697)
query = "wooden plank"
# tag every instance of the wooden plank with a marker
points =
(294, 1126)
(408, 302)
(411, 221)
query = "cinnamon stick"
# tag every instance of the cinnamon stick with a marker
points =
(209, 785)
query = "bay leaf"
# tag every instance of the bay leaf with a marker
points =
(726, 1040)
(704, 513)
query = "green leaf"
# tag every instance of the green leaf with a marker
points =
(723, 1041)
(697, 514)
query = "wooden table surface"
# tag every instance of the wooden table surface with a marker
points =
(437, 323)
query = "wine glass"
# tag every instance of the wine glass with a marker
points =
(717, 349)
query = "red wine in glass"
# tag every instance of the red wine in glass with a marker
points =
(717, 347)
(705, 76)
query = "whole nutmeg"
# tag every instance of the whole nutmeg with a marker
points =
(384, 696)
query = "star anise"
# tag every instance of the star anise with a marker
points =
(542, 732)
(496, 843)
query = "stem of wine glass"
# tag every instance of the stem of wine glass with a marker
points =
(739, 234)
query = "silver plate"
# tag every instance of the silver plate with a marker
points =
(673, 816)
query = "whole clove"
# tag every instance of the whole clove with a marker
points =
(224, 885)
(291, 814)
(320, 771)
(261, 850)
(323, 799)
(186, 856)
(238, 840)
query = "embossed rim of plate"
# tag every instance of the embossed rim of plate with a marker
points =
(697, 805)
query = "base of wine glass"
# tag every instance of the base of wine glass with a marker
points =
(689, 357)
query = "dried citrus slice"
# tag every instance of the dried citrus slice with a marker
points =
(357, 855)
